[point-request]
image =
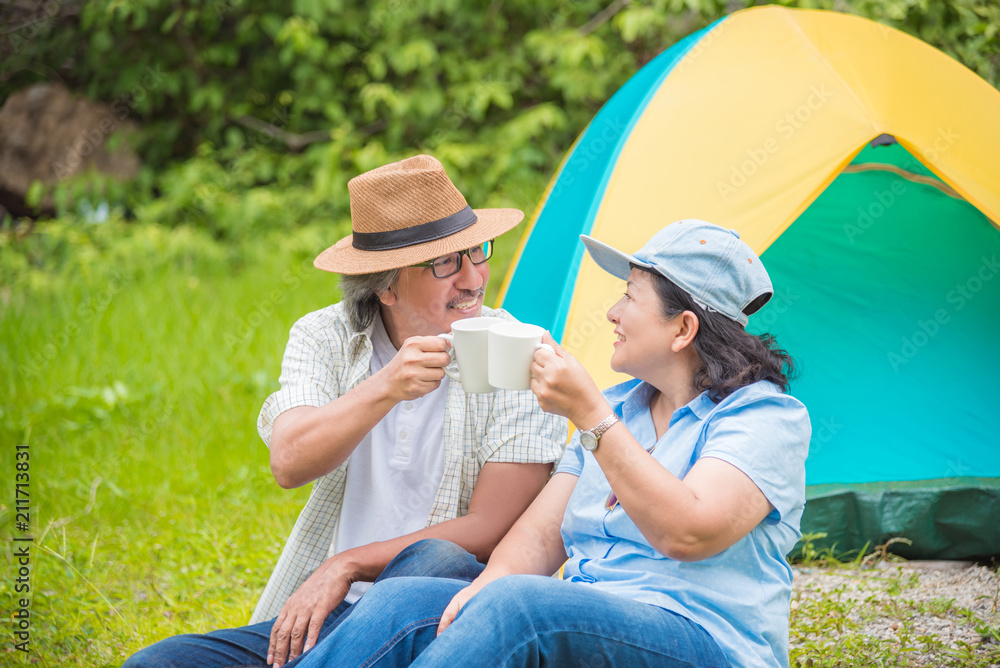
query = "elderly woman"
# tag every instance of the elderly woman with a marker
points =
(672, 509)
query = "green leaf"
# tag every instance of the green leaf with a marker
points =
(168, 25)
(33, 197)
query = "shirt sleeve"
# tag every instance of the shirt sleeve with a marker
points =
(309, 376)
(768, 440)
(572, 459)
(519, 431)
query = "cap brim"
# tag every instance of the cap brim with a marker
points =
(611, 259)
(344, 258)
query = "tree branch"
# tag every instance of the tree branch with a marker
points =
(602, 16)
(295, 142)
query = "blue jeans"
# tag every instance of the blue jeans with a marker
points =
(246, 647)
(517, 621)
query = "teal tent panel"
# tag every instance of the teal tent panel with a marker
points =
(541, 288)
(888, 298)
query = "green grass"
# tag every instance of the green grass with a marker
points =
(829, 631)
(835, 628)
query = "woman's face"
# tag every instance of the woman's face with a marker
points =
(644, 340)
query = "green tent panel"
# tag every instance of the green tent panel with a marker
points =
(888, 297)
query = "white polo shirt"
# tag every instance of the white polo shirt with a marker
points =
(394, 473)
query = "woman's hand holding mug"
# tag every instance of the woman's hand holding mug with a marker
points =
(564, 387)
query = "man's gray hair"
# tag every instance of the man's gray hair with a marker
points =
(360, 295)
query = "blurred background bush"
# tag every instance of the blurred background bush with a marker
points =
(253, 114)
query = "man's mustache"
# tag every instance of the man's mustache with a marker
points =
(467, 295)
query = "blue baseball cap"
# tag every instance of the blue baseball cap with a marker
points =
(709, 262)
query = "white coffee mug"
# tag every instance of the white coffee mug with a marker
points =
(512, 349)
(469, 339)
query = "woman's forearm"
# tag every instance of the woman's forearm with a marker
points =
(714, 506)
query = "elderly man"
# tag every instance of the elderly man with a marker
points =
(398, 453)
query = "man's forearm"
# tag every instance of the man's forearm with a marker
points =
(309, 442)
(471, 533)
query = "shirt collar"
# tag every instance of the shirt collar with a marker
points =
(702, 406)
(632, 396)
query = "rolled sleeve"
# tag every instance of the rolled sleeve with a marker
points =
(519, 431)
(309, 376)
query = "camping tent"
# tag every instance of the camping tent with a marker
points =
(864, 167)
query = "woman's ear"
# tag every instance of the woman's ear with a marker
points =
(687, 329)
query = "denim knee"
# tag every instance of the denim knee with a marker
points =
(405, 599)
(432, 548)
(153, 657)
(508, 597)
(516, 587)
(433, 557)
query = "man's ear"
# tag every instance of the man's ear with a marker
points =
(388, 296)
(688, 328)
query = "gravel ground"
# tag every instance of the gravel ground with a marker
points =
(916, 613)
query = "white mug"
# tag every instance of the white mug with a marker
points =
(469, 339)
(512, 349)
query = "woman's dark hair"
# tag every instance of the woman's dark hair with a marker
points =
(731, 357)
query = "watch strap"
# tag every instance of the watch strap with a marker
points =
(603, 426)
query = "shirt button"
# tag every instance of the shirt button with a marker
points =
(402, 435)
(408, 405)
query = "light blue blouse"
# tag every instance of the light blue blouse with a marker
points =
(740, 596)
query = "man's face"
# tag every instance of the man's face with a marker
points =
(422, 305)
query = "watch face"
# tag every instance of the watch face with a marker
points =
(588, 440)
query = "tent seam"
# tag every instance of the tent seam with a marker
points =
(832, 70)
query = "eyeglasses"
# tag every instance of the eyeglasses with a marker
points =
(451, 264)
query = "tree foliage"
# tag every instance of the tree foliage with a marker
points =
(256, 113)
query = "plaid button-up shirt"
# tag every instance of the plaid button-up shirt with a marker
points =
(323, 360)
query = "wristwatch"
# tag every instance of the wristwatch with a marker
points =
(590, 438)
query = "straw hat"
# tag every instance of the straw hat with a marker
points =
(408, 212)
